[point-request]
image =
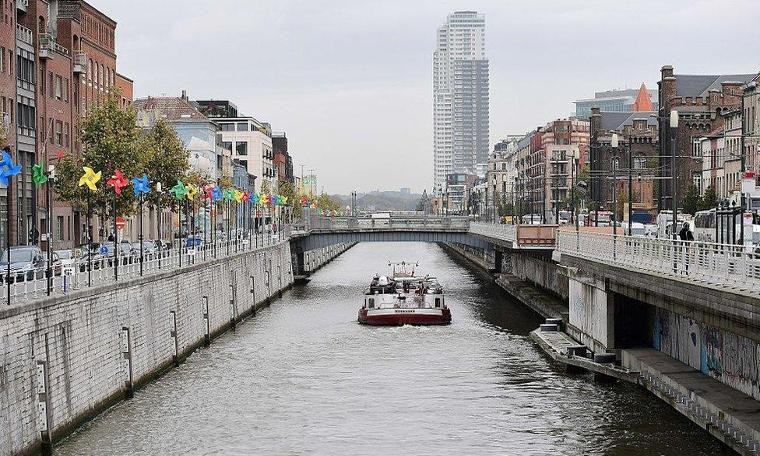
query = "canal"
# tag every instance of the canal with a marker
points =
(303, 377)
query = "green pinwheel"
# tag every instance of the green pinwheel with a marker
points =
(179, 191)
(38, 175)
(229, 194)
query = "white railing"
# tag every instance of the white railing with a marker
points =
(493, 230)
(32, 284)
(433, 222)
(730, 266)
(23, 34)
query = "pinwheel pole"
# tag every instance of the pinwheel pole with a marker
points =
(142, 248)
(187, 231)
(229, 233)
(158, 225)
(89, 241)
(7, 170)
(205, 228)
(115, 241)
(49, 230)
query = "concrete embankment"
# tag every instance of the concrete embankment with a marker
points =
(542, 301)
(728, 414)
(64, 361)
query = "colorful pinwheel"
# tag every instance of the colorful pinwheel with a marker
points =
(140, 185)
(304, 200)
(238, 196)
(208, 191)
(216, 194)
(192, 190)
(90, 178)
(275, 200)
(246, 197)
(8, 169)
(284, 200)
(60, 154)
(38, 175)
(229, 194)
(256, 199)
(266, 200)
(179, 191)
(117, 181)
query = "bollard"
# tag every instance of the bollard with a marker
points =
(206, 324)
(173, 334)
(126, 350)
(545, 327)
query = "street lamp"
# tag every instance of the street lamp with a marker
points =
(674, 130)
(614, 142)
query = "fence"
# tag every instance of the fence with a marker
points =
(731, 266)
(28, 285)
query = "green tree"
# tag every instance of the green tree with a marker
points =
(691, 200)
(709, 199)
(287, 190)
(165, 161)
(265, 186)
(110, 140)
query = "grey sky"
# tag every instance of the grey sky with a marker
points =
(350, 80)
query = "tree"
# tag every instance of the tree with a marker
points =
(165, 161)
(110, 138)
(709, 199)
(265, 187)
(691, 200)
(287, 190)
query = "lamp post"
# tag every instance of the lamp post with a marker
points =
(674, 192)
(614, 143)
(158, 221)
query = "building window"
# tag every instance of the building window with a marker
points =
(242, 126)
(241, 148)
(66, 90)
(59, 132)
(227, 127)
(58, 87)
(59, 228)
(66, 134)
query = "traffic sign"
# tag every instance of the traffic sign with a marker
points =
(120, 222)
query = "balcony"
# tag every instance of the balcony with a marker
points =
(46, 45)
(22, 5)
(23, 34)
(80, 62)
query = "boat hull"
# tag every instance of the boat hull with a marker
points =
(400, 317)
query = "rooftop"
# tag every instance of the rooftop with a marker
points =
(698, 85)
(172, 109)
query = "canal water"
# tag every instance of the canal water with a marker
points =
(303, 377)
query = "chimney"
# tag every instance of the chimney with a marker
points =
(667, 88)
(184, 94)
(595, 120)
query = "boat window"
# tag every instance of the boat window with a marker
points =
(438, 302)
(371, 303)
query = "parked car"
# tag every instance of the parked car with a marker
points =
(194, 242)
(26, 263)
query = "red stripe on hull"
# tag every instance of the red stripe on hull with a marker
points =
(400, 319)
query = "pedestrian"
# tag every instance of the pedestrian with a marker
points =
(686, 235)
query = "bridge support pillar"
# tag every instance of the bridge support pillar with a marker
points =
(591, 312)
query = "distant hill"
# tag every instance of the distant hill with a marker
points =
(382, 201)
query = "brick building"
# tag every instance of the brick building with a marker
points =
(638, 136)
(282, 160)
(701, 101)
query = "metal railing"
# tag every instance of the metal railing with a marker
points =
(433, 222)
(726, 265)
(29, 285)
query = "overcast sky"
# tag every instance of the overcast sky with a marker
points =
(350, 80)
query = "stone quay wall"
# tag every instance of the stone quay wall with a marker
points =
(64, 361)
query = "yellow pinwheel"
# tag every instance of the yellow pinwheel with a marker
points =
(192, 190)
(89, 178)
(238, 195)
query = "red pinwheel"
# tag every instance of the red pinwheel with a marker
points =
(246, 197)
(117, 181)
(208, 191)
(60, 154)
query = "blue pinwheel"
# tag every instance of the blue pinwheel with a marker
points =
(216, 194)
(140, 185)
(8, 169)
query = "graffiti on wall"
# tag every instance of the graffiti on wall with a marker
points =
(727, 357)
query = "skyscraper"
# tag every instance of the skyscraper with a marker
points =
(460, 98)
